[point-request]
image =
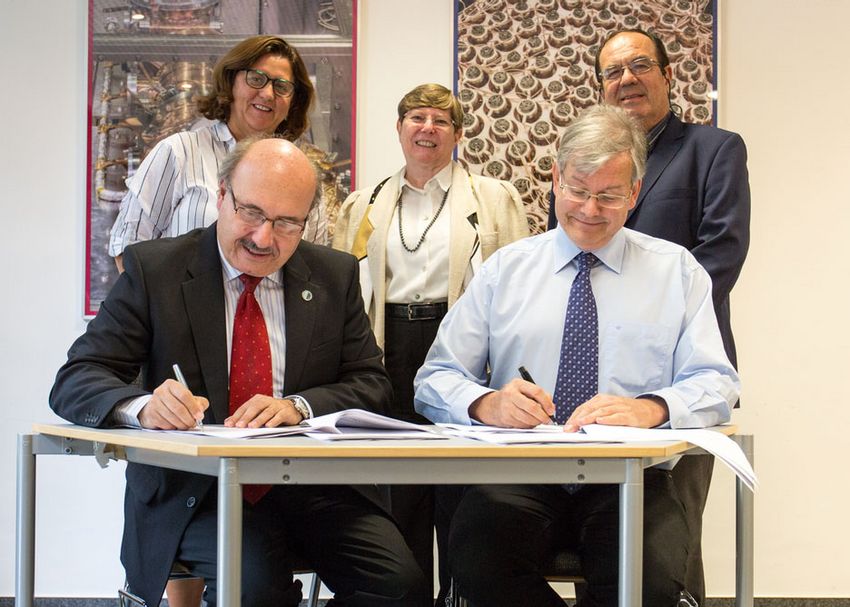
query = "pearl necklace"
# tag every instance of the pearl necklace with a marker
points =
(421, 238)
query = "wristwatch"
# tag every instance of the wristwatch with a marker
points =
(300, 405)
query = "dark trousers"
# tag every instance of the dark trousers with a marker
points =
(692, 477)
(353, 545)
(406, 344)
(502, 534)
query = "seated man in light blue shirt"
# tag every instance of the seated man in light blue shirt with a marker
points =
(656, 359)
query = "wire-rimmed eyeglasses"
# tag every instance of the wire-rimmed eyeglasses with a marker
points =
(252, 217)
(638, 66)
(603, 199)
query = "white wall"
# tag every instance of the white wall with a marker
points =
(42, 163)
(789, 306)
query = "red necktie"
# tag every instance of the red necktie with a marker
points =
(250, 361)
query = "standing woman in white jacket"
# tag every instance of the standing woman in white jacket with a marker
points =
(420, 235)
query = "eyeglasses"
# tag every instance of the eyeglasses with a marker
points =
(638, 66)
(603, 199)
(251, 217)
(257, 79)
(421, 118)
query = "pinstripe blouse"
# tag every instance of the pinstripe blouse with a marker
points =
(174, 190)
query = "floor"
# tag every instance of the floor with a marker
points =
(712, 602)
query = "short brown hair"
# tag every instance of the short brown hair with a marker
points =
(432, 95)
(216, 105)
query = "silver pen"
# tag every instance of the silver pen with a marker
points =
(199, 425)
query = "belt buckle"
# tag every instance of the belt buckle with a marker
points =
(422, 315)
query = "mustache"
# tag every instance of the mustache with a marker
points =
(252, 246)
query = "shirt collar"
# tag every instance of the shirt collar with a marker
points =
(443, 180)
(655, 132)
(223, 132)
(611, 254)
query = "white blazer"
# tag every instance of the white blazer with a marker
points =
(484, 213)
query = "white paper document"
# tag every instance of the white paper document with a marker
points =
(544, 433)
(351, 424)
(716, 443)
(348, 433)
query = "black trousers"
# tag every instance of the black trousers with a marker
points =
(502, 534)
(406, 344)
(692, 477)
(353, 545)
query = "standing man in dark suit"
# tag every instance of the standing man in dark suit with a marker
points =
(183, 300)
(695, 193)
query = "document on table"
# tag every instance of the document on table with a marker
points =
(716, 443)
(544, 433)
(347, 424)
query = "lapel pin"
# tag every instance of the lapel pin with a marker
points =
(306, 295)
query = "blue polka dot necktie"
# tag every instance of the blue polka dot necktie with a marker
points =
(578, 369)
(250, 361)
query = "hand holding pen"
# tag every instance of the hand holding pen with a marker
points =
(523, 373)
(178, 374)
(519, 403)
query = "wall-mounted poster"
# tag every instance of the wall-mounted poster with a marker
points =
(525, 68)
(151, 59)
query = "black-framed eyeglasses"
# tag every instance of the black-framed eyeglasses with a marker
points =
(258, 79)
(252, 217)
(603, 199)
(638, 66)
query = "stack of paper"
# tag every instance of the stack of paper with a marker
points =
(347, 424)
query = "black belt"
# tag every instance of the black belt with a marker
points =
(424, 311)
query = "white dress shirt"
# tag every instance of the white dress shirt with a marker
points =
(421, 276)
(657, 329)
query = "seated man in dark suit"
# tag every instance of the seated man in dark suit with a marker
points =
(619, 328)
(268, 329)
(695, 193)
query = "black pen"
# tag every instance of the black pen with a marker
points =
(523, 373)
(199, 425)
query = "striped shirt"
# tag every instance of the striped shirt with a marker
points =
(175, 190)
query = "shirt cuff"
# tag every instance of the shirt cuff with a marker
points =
(127, 413)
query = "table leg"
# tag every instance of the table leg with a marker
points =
(744, 526)
(631, 535)
(25, 524)
(229, 568)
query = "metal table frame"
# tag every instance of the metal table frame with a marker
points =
(300, 460)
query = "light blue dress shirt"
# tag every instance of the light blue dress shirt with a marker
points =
(657, 329)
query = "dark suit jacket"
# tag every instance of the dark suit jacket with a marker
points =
(168, 307)
(696, 193)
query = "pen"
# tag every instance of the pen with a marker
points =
(179, 375)
(523, 373)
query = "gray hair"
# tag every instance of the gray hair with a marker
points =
(597, 135)
(232, 160)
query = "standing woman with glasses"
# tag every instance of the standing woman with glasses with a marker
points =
(261, 86)
(420, 235)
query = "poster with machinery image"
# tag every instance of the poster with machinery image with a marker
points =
(150, 59)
